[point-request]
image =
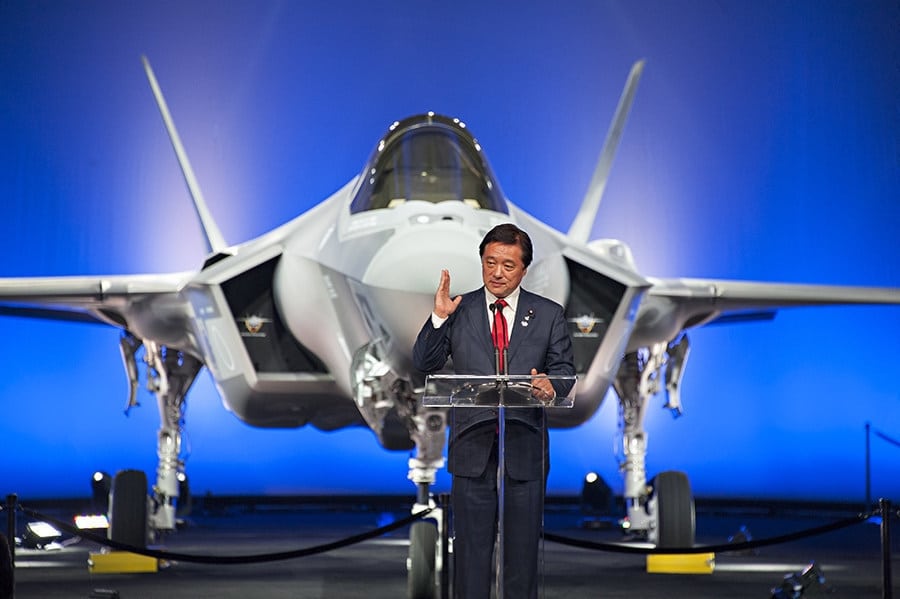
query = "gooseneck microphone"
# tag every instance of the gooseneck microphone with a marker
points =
(493, 308)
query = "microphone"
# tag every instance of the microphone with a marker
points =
(493, 308)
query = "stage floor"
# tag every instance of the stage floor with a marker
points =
(850, 558)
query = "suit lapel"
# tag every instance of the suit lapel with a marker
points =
(520, 333)
(476, 320)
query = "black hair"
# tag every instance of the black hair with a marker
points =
(509, 234)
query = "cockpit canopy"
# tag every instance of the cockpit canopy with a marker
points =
(430, 158)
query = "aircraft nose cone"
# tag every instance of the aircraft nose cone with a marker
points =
(412, 259)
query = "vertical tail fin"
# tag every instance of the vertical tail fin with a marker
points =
(215, 243)
(584, 221)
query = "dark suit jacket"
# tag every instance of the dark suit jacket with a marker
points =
(465, 337)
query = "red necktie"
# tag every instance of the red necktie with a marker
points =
(499, 333)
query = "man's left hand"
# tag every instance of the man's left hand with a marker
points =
(541, 387)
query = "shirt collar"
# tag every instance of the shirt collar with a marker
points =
(512, 300)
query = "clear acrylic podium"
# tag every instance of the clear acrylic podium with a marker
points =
(502, 392)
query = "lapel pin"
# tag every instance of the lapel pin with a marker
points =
(527, 318)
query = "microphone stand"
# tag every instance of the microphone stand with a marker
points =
(501, 468)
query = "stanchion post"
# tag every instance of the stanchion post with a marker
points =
(886, 584)
(8, 587)
(444, 500)
(11, 501)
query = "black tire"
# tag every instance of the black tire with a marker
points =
(421, 565)
(676, 525)
(128, 508)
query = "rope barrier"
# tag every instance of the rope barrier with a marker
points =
(886, 514)
(742, 546)
(225, 559)
(883, 436)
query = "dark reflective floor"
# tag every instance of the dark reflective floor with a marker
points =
(850, 558)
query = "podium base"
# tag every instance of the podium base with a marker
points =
(681, 563)
(121, 562)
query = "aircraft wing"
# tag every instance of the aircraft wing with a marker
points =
(110, 300)
(703, 301)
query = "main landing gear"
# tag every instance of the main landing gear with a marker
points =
(662, 511)
(170, 373)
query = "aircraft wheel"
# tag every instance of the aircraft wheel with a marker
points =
(421, 562)
(675, 510)
(128, 508)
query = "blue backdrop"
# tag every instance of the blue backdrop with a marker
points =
(764, 144)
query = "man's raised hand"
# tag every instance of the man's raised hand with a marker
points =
(443, 305)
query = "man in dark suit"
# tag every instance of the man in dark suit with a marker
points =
(464, 329)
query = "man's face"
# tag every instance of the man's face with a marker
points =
(502, 268)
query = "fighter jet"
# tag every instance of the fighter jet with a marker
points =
(313, 323)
